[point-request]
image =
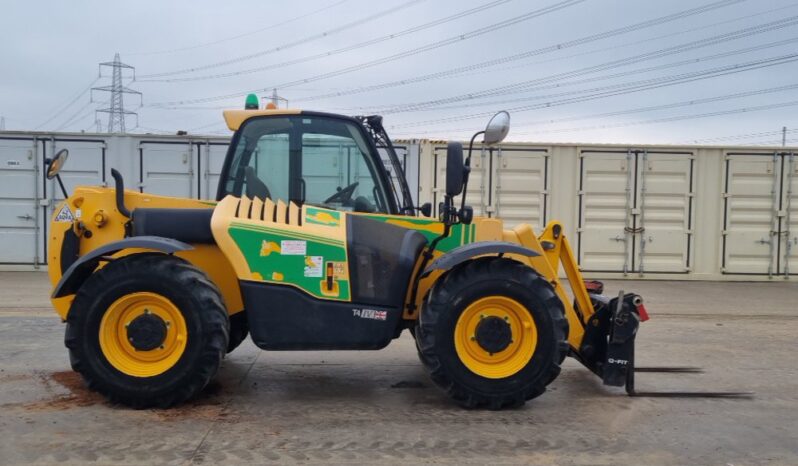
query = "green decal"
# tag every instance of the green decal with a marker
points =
(459, 234)
(317, 216)
(291, 258)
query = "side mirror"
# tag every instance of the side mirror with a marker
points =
(497, 128)
(426, 209)
(455, 169)
(57, 163)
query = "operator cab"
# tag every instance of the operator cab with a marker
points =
(313, 158)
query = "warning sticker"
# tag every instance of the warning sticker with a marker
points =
(65, 215)
(339, 269)
(314, 266)
(293, 248)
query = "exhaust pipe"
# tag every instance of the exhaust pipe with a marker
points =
(120, 193)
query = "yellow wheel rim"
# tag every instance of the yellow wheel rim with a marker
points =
(121, 353)
(509, 360)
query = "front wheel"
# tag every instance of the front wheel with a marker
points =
(147, 330)
(492, 333)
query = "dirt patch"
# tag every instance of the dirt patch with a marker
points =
(207, 406)
(79, 395)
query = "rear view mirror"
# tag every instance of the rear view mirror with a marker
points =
(57, 163)
(497, 128)
(454, 169)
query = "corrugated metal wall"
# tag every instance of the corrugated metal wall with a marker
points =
(688, 212)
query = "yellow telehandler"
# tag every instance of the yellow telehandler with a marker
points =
(313, 243)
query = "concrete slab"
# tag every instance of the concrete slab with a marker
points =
(380, 407)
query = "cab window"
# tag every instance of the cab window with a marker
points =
(307, 159)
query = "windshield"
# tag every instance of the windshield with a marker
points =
(308, 159)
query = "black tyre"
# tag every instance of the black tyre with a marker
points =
(147, 330)
(239, 330)
(470, 337)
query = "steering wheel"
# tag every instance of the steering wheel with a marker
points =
(343, 195)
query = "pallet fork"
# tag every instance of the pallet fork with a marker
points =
(612, 331)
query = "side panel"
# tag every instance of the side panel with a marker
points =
(284, 318)
(292, 257)
(308, 252)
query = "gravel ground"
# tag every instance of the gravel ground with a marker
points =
(380, 407)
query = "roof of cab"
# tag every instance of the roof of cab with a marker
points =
(234, 118)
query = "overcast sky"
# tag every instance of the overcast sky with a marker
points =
(552, 63)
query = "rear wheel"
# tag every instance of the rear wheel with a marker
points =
(492, 333)
(147, 330)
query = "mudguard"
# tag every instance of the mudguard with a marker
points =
(462, 254)
(82, 268)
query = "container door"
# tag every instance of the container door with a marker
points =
(328, 166)
(167, 169)
(604, 232)
(751, 189)
(19, 201)
(211, 162)
(663, 212)
(408, 155)
(520, 186)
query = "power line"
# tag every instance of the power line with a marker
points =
(69, 103)
(349, 48)
(441, 74)
(685, 103)
(740, 136)
(558, 85)
(394, 57)
(239, 36)
(282, 47)
(79, 115)
(520, 86)
(464, 70)
(756, 108)
(636, 86)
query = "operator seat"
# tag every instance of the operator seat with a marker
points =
(255, 186)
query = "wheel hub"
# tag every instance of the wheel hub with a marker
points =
(493, 334)
(146, 332)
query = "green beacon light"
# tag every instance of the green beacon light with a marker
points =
(251, 103)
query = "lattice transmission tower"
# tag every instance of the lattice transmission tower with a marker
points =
(116, 110)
